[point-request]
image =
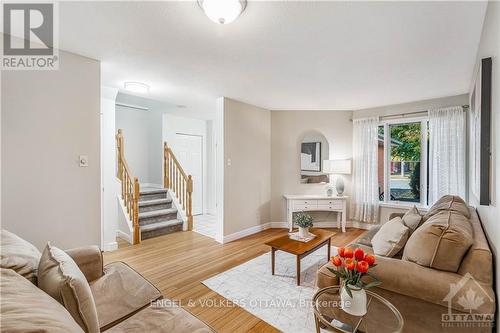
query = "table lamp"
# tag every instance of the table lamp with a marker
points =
(337, 167)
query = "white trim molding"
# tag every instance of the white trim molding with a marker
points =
(244, 233)
(124, 236)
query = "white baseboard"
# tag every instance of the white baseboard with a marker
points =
(244, 233)
(124, 236)
(110, 246)
(278, 225)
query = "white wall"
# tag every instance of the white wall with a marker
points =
(49, 118)
(387, 209)
(247, 166)
(490, 47)
(110, 184)
(175, 124)
(288, 128)
(142, 132)
(211, 168)
(220, 163)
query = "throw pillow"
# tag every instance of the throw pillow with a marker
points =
(447, 203)
(19, 255)
(441, 242)
(26, 308)
(60, 277)
(412, 219)
(391, 238)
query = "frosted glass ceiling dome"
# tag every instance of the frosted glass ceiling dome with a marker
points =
(222, 11)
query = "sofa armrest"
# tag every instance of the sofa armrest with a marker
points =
(432, 285)
(366, 238)
(393, 215)
(89, 260)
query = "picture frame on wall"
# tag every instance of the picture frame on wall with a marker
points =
(310, 155)
(480, 133)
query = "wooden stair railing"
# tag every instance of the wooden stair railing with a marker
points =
(175, 179)
(129, 187)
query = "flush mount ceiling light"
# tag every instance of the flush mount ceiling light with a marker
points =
(223, 11)
(137, 87)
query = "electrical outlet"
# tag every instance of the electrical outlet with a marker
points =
(84, 160)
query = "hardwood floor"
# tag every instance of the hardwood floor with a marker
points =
(177, 263)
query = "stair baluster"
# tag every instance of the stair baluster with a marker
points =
(129, 189)
(175, 179)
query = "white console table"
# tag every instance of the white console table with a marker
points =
(302, 203)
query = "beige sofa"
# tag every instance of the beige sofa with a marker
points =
(423, 294)
(120, 298)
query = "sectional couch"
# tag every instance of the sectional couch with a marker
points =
(442, 276)
(72, 291)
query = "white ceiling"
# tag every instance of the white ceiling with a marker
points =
(281, 55)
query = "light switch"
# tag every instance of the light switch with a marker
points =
(84, 160)
(228, 162)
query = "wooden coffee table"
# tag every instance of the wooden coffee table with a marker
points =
(300, 249)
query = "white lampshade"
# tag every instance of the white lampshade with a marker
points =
(339, 167)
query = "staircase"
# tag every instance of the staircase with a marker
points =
(151, 212)
(157, 217)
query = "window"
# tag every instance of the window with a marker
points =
(401, 154)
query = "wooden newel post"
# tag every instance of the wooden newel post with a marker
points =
(166, 167)
(189, 212)
(119, 152)
(137, 231)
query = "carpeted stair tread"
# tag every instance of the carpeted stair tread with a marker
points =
(154, 191)
(159, 225)
(154, 202)
(155, 213)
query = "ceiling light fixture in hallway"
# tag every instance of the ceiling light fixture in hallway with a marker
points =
(136, 87)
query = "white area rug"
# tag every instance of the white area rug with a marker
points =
(275, 299)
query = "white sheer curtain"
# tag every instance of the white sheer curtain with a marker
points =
(446, 152)
(365, 200)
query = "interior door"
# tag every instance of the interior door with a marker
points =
(189, 151)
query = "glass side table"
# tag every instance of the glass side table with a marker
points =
(381, 315)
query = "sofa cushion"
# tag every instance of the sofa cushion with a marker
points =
(441, 242)
(478, 261)
(60, 277)
(448, 203)
(391, 238)
(25, 308)
(162, 319)
(19, 255)
(120, 292)
(412, 219)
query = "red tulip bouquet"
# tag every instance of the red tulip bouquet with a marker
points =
(351, 265)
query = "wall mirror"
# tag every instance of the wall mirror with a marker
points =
(314, 149)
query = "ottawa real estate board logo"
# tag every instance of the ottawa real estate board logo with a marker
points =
(30, 36)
